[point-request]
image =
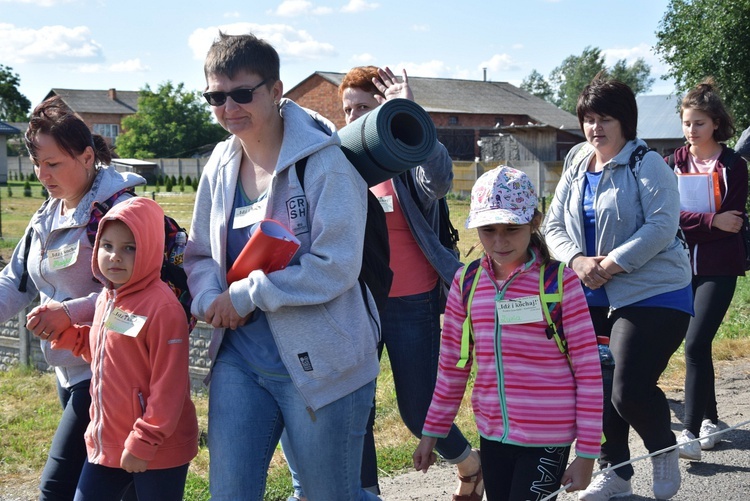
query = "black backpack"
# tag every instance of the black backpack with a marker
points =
(175, 238)
(375, 273)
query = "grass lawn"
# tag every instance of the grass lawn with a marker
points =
(29, 410)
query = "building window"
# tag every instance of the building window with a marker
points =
(107, 130)
(453, 120)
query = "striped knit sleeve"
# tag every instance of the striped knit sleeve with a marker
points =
(584, 356)
(451, 380)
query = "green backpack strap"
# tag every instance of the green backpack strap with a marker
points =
(551, 293)
(469, 280)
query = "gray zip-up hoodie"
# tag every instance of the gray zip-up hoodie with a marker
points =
(325, 334)
(69, 280)
(637, 217)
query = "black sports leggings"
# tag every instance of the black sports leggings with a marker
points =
(712, 296)
(516, 473)
(642, 340)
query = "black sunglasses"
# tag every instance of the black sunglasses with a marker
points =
(239, 96)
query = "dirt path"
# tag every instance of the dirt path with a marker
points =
(724, 473)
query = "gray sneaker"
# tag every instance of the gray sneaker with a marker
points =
(666, 474)
(689, 447)
(708, 428)
(605, 487)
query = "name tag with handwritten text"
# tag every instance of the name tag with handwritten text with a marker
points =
(524, 310)
(125, 323)
(63, 257)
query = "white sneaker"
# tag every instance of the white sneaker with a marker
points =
(688, 446)
(708, 428)
(605, 487)
(667, 478)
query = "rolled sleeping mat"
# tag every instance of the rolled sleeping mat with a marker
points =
(394, 137)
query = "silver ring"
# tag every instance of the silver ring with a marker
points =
(46, 336)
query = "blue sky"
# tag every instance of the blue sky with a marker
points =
(126, 44)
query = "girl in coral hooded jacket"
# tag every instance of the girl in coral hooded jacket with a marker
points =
(143, 426)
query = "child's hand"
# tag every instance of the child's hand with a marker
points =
(131, 463)
(423, 456)
(578, 474)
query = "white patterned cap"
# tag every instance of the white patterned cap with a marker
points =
(503, 195)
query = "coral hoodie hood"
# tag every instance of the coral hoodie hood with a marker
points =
(145, 218)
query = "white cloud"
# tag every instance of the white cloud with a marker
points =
(359, 6)
(499, 62)
(48, 43)
(294, 8)
(645, 51)
(38, 3)
(129, 66)
(364, 59)
(290, 43)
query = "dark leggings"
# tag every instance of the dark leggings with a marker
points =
(642, 340)
(515, 473)
(712, 294)
(67, 453)
(101, 483)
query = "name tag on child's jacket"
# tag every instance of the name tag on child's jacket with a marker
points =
(523, 310)
(125, 323)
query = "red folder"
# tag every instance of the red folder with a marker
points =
(270, 248)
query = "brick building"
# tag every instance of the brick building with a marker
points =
(102, 110)
(466, 113)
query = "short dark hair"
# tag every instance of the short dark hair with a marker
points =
(610, 98)
(705, 97)
(230, 54)
(54, 118)
(360, 77)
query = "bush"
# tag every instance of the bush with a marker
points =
(188, 181)
(195, 184)
(27, 189)
(10, 192)
(45, 193)
(168, 185)
(31, 177)
(174, 180)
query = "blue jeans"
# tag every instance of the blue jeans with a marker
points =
(246, 415)
(67, 453)
(101, 483)
(411, 334)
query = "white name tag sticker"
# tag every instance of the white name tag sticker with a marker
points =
(63, 257)
(524, 310)
(122, 322)
(250, 214)
(386, 203)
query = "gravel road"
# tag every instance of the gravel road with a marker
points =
(723, 474)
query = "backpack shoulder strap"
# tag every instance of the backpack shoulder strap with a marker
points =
(301, 166)
(551, 293)
(728, 158)
(636, 158)
(100, 209)
(469, 280)
(27, 243)
(671, 161)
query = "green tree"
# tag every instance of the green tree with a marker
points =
(568, 80)
(536, 84)
(170, 123)
(709, 38)
(14, 106)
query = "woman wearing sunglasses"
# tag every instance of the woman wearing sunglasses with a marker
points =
(295, 349)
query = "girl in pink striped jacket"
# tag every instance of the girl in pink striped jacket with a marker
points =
(531, 399)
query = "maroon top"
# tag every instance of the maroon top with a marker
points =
(714, 251)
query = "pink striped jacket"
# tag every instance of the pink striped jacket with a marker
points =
(525, 392)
